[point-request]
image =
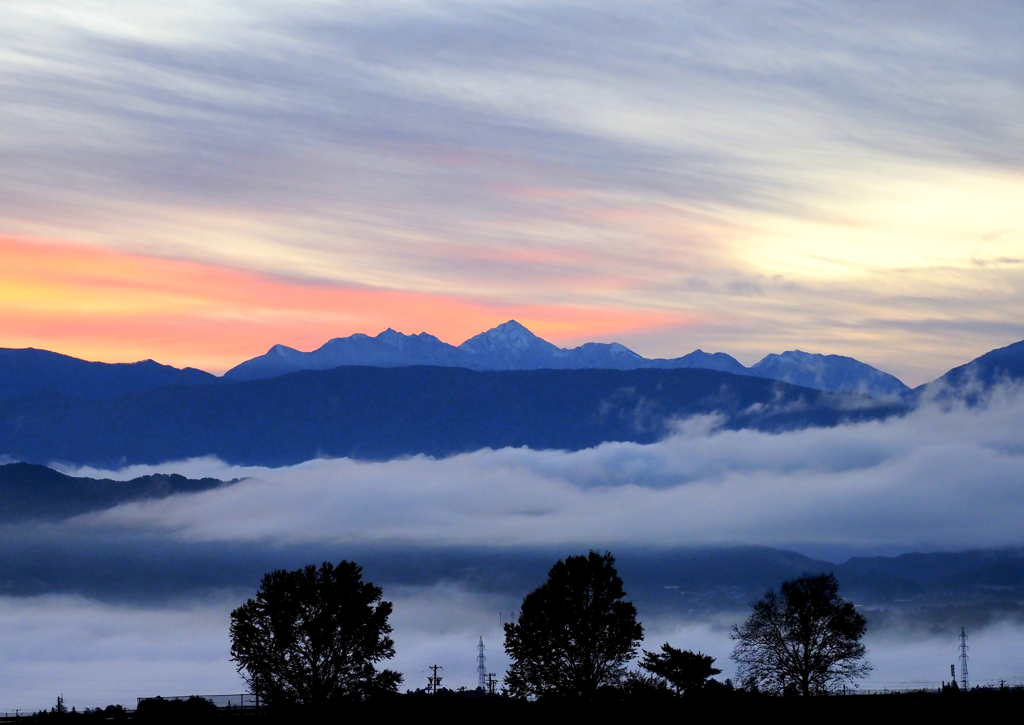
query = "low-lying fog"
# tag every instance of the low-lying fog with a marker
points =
(936, 479)
(96, 654)
(930, 480)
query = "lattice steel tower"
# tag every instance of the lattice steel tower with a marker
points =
(963, 660)
(481, 665)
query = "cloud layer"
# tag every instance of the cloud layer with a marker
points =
(935, 479)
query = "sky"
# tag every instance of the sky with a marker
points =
(194, 182)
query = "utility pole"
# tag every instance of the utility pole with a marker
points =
(434, 681)
(491, 683)
(963, 660)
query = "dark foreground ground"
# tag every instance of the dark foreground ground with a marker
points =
(986, 705)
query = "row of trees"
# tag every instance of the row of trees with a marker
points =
(315, 635)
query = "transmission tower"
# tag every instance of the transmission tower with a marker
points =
(963, 660)
(434, 681)
(481, 665)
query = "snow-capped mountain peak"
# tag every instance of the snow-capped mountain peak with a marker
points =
(507, 336)
(511, 346)
(836, 373)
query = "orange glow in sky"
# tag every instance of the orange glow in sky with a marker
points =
(99, 304)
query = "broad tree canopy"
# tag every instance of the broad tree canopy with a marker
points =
(312, 636)
(804, 639)
(575, 632)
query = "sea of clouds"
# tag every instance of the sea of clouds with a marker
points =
(939, 478)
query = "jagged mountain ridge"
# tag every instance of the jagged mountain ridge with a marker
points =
(29, 371)
(511, 346)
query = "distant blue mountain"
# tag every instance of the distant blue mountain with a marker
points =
(934, 592)
(30, 491)
(996, 366)
(971, 380)
(510, 346)
(829, 372)
(397, 395)
(379, 413)
(700, 359)
(387, 350)
(29, 371)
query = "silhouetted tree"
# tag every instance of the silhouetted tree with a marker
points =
(195, 709)
(641, 688)
(110, 713)
(804, 639)
(686, 671)
(575, 633)
(312, 636)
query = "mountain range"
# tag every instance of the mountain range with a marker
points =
(374, 413)
(510, 346)
(56, 408)
(29, 371)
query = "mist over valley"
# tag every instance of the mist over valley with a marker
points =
(917, 514)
